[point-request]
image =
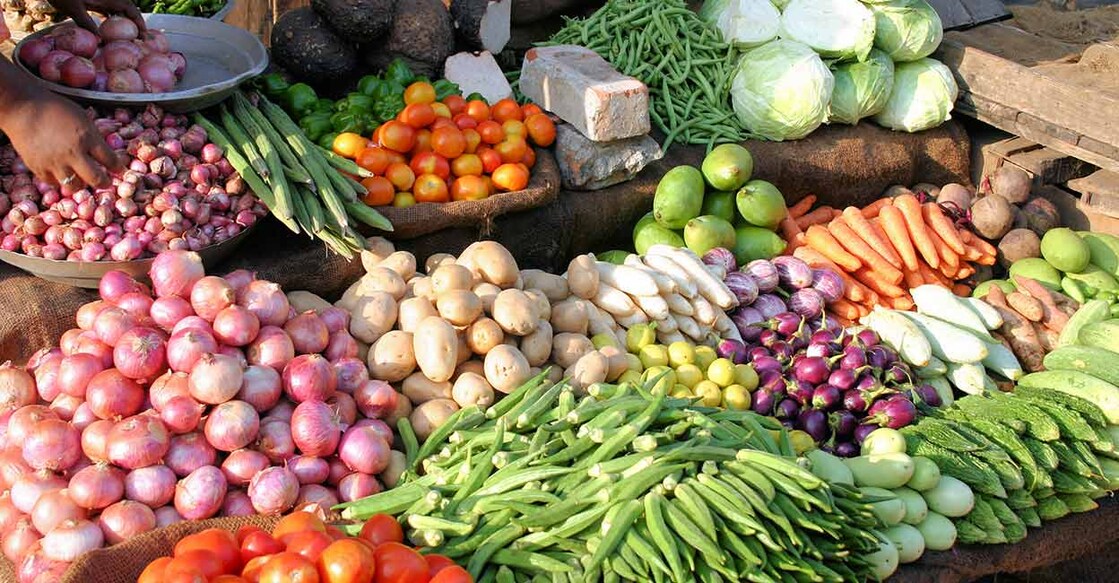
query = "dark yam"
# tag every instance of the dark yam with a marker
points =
(304, 45)
(357, 21)
(1041, 215)
(422, 36)
(482, 25)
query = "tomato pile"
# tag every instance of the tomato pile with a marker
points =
(302, 549)
(454, 149)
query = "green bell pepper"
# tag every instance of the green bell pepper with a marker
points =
(399, 72)
(352, 120)
(316, 125)
(368, 84)
(356, 102)
(327, 141)
(445, 88)
(323, 105)
(300, 97)
(476, 96)
(273, 84)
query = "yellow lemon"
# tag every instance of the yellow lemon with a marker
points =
(680, 353)
(639, 336)
(688, 374)
(736, 397)
(745, 375)
(630, 376)
(721, 372)
(634, 363)
(653, 355)
(704, 356)
(681, 392)
(709, 392)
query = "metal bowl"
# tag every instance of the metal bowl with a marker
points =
(219, 58)
(87, 274)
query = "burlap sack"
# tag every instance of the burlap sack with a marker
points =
(426, 218)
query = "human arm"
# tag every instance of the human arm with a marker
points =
(78, 11)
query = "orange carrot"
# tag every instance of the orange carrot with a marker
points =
(942, 226)
(904, 303)
(965, 272)
(892, 223)
(836, 213)
(791, 233)
(819, 238)
(802, 206)
(972, 254)
(932, 276)
(853, 290)
(874, 281)
(862, 226)
(949, 261)
(863, 310)
(860, 248)
(875, 208)
(961, 290)
(913, 279)
(844, 309)
(972, 239)
(816, 217)
(918, 232)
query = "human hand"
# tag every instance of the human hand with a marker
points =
(77, 10)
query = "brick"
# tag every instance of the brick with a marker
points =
(588, 165)
(477, 73)
(585, 91)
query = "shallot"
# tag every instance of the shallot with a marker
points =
(72, 539)
(274, 490)
(124, 520)
(152, 485)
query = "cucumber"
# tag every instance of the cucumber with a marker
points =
(1090, 313)
(1103, 334)
(935, 368)
(887, 470)
(948, 342)
(1104, 394)
(940, 303)
(912, 344)
(1097, 362)
(1104, 249)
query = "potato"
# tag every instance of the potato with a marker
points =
(483, 335)
(553, 286)
(472, 389)
(568, 348)
(506, 368)
(515, 311)
(487, 292)
(570, 315)
(421, 288)
(462, 348)
(582, 277)
(537, 347)
(591, 368)
(451, 276)
(436, 260)
(403, 409)
(384, 279)
(459, 306)
(616, 362)
(392, 357)
(372, 316)
(555, 374)
(519, 283)
(402, 262)
(413, 311)
(435, 344)
(543, 306)
(420, 389)
(302, 301)
(474, 366)
(377, 249)
(492, 262)
(392, 472)
(428, 417)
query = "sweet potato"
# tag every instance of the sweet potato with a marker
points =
(1029, 307)
(1052, 315)
(1018, 331)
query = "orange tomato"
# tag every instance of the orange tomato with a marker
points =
(431, 163)
(195, 560)
(419, 92)
(506, 109)
(491, 132)
(423, 142)
(443, 122)
(401, 176)
(436, 563)
(512, 150)
(473, 138)
(490, 160)
(221, 542)
(530, 109)
(381, 528)
(397, 136)
(404, 200)
(514, 127)
(469, 188)
(530, 157)
(153, 573)
(289, 568)
(455, 103)
(467, 165)
(346, 561)
(510, 177)
(379, 191)
(478, 110)
(541, 129)
(374, 159)
(348, 144)
(185, 576)
(417, 115)
(441, 110)
(396, 157)
(297, 522)
(448, 142)
(453, 574)
(397, 563)
(375, 138)
(309, 544)
(430, 188)
(464, 121)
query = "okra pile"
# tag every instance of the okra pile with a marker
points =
(548, 486)
(1031, 456)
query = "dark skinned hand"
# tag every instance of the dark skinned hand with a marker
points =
(78, 11)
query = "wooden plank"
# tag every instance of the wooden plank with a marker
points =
(1099, 191)
(1016, 45)
(1075, 214)
(986, 10)
(965, 13)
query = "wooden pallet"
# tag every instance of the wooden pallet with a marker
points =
(1044, 165)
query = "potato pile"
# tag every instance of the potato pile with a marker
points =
(467, 330)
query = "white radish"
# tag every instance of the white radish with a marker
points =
(679, 304)
(710, 287)
(690, 327)
(668, 324)
(598, 321)
(654, 306)
(718, 271)
(705, 313)
(631, 280)
(726, 328)
(637, 317)
(684, 285)
(613, 300)
(664, 283)
(670, 337)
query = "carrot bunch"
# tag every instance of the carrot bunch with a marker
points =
(884, 249)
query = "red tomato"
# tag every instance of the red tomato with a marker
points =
(193, 562)
(309, 544)
(335, 532)
(382, 528)
(227, 579)
(153, 573)
(289, 568)
(397, 563)
(246, 530)
(297, 522)
(453, 574)
(259, 544)
(222, 542)
(436, 563)
(252, 569)
(346, 561)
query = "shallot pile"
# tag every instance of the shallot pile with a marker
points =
(178, 192)
(209, 397)
(116, 59)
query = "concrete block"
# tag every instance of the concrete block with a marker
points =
(588, 165)
(477, 73)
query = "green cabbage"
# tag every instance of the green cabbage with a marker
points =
(837, 29)
(907, 30)
(922, 98)
(780, 4)
(861, 89)
(744, 23)
(781, 90)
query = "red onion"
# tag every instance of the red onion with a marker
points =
(33, 51)
(239, 279)
(17, 387)
(215, 379)
(341, 345)
(356, 486)
(138, 441)
(124, 81)
(115, 284)
(275, 441)
(168, 386)
(138, 304)
(232, 425)
(237, 503)
(88, 313)
(192, 322)
(200, 494)
(54, 445)
(118, 28)
(28, 488)
(46, 380)
(314, 428)
(351, 373)
(189, 452)
(95, 439)
(68, 342)
(312, 495)
(65, 406)
(88, 343)
(9, 514)
(37, 568)
(50, 68)
(75, 40)
(338, 470)
(174, 273)
(242, 465)
(187, 346)
(19, 541)
(97, 486)
(274, 490)
(72, 539)
(266, 301)
(124, 520)
(261, 387)
(77, 72)
(141, 354)
(166, 516)
(335, 318)
(282, 411)
(153, 485)
(364, 450)
(127, 249)
(211, 295)
(168, 311)
(376, 399)
(308, 333)
(181, 414)
(23, 421)
(156, 42)
(12, 467)
(379, 426)
(309, 377)
(82, 416)
(309, 470)
(234, 353)
(272, 347)
(110, 395)
(53, 508)
(344, 408)
(112, 323)
(75, 372)
(236, 326)
(120, 55)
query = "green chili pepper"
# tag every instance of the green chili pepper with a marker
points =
(273, 84)
(368, 85)
(445, 88)
(327, 141)
(300, 97)
(399, 72)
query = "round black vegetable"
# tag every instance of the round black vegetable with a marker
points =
(304, 45)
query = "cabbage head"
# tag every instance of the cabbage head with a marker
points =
(837, 29)
(907, 30)
(781, 89)
(780, 4)
(744, 23)
(861, 88)
(923, 95)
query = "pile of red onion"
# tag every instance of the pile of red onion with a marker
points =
(209, 397)
(117, 59)
(178, 192)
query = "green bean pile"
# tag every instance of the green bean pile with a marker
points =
(684, 62)
(630, 487)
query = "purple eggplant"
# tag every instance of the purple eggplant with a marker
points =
(828, 283)
(800, 391)
(814, 423)
(928, 395)
(843, 423)
(892, 413)
(896, 374)
(799, 342)
(842, 379)
(742, 286)
(846, 449)
(769, 305)
(867, 382)
(764, 274)
(763, 402)
(811, 369)
(818, 349)
(748, 321)
(758, 352)
(822, 337)
(829, 323)
(827, 397)
(787, 324)
(767, 364)
(786, 409)
(864, 430)
(854, 357)
(722, 257)
(732, 349)
(771, 380)
(768, 337)
(807, 302)
(877, 357)
(854, 401)
(782, 351)
(788, 424)
(867, 337)
(792, 273)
